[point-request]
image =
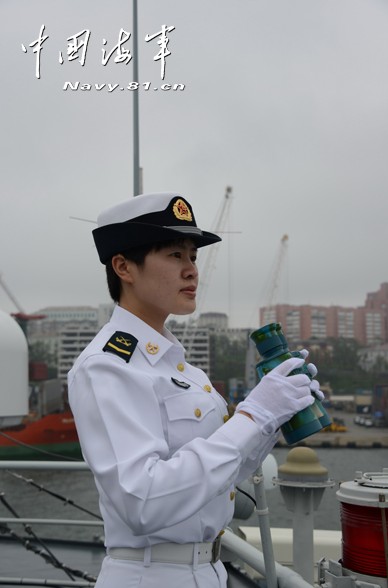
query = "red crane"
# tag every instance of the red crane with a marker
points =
(21, 316)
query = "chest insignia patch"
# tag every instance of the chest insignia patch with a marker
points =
(121, 344)
(180, 384)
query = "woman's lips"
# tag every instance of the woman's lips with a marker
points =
(190, 290)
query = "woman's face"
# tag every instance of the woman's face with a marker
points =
(165, 284)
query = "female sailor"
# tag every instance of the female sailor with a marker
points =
(155, 433)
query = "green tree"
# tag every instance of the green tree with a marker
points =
(338, 363)
(228, 358)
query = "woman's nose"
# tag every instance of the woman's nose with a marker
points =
(191, 269)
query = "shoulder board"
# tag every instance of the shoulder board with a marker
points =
(121, 344)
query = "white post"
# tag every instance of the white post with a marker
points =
(303, 534)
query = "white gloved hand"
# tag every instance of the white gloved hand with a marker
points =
(314, 386)
(277, 397)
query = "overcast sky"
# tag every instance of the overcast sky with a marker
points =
(286, 101)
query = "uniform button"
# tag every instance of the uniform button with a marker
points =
(180, 367)
(207, 388)
(226, 418)
(197, 412)
(232, 495)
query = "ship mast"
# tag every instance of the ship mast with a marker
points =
(137, 187)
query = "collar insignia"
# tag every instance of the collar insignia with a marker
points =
(152, 348)
(180, 384)
(121, 344)
(181, 210)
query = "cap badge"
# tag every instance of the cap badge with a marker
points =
(152, 348)
(181, 210)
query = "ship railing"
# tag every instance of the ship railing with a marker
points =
(232, 544)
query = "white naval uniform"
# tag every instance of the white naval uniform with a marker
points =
(165, 462)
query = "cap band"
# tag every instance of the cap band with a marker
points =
(190, 230)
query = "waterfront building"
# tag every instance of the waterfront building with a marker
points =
(216, 321)
(196, 341)
(366, 324)
(56, 316)
(104, 312)
(72, 339)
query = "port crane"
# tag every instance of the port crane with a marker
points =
(218, 226)
(269, 314)
(206, 269)
(269, 311)
(20, 316)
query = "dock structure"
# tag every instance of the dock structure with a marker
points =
(355, 437)
(341, 441)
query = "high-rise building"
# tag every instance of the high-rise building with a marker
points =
(216, 321)
(56, 316)
(367, 324)
(196, 341)
(72, 339)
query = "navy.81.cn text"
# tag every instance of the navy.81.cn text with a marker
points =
(132, 86)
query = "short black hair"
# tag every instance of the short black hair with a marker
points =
(137, 255)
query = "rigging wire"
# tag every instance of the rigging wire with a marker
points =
(54, 494)
(45, 552)
(37, 449)
(49, 556)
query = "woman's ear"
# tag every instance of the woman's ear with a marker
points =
(123, 268)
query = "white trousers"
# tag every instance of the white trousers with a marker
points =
(119, 573)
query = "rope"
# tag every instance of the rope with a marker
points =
(37, 449)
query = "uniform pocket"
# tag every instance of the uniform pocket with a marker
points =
(189, 415)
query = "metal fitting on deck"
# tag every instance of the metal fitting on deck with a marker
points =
(302, 480)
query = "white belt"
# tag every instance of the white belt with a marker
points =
(178, 553)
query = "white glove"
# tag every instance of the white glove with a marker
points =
(277, 397)
(314, 386)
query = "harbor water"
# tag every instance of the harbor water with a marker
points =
(78, 487)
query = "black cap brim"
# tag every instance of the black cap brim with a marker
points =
(116, 238)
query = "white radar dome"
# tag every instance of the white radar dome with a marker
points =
(13, 371)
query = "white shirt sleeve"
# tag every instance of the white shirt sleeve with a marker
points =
(119, 424)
